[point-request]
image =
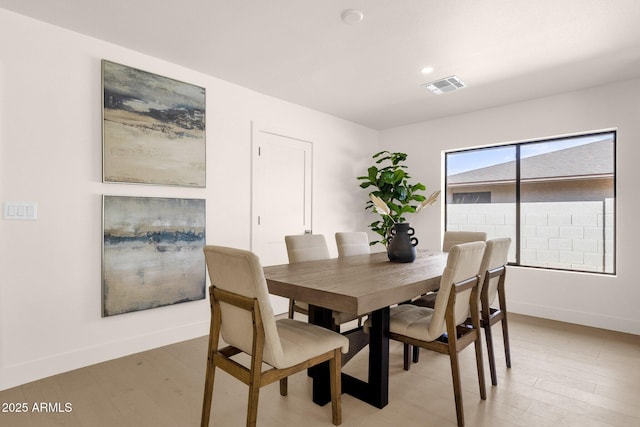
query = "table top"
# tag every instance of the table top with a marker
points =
(357, 284)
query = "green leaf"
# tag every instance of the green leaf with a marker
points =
(401, 193)
(387, 177)
(394, 207)
(398, 157)
(373, 172)
(399, 175)
(408, 209)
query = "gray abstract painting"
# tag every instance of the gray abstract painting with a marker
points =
(152, 252)
(153, 128)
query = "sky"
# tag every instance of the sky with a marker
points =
(476, 159)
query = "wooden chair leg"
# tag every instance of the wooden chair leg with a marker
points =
(214, 337)
(252, 408)
(335, 382)
(208, 394)
(416, 354)
(291, 309)
(254, 389)
(492, 360)
(406, 349)
(284, 386)
(505, 337)
(505, 330)
(480, 366)
(457, 389)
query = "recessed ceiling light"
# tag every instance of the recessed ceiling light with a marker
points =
(352, 16)
(427, 70)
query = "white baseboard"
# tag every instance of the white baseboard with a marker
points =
(32, 370)
(595, 320)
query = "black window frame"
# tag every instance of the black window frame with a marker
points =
(518, 218)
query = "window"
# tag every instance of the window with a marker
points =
(477, 197)
(555, 198)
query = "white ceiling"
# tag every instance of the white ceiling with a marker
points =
(369, 73)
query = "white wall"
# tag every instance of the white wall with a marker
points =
(50, 153)
(589, 299)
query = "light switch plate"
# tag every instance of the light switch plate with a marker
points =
(21, 210)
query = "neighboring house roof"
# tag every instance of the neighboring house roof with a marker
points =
(589, 160)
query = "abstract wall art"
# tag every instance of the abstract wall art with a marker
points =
(153, 128)
(151, 252)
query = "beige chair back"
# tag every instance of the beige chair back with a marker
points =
(306, 247)
(463, 262)
(351, 243)
(452, 238)
(240, 272)
(495, 255)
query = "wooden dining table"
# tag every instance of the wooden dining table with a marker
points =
(357, 285)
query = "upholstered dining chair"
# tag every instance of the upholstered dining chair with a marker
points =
(310, 247)
(451, 238)
(492, 276)
(351, 243)
(241, 313)
(458, 297)
(301, 248)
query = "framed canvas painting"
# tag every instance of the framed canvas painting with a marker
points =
(151, 252)
(153, 128)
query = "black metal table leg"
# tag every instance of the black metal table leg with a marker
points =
(376, 390)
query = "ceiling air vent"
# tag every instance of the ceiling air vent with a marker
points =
(448, 84)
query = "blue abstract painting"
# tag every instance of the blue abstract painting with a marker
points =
(152, 252)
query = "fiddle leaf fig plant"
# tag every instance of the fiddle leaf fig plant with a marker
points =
(388, 183)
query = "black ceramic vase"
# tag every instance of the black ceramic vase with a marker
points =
(402, 246)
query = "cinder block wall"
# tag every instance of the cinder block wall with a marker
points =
(567, 235)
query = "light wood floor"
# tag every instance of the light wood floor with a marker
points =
(562, 375)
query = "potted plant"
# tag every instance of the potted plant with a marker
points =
(391, 193)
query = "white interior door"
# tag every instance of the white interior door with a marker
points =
(281, 196)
